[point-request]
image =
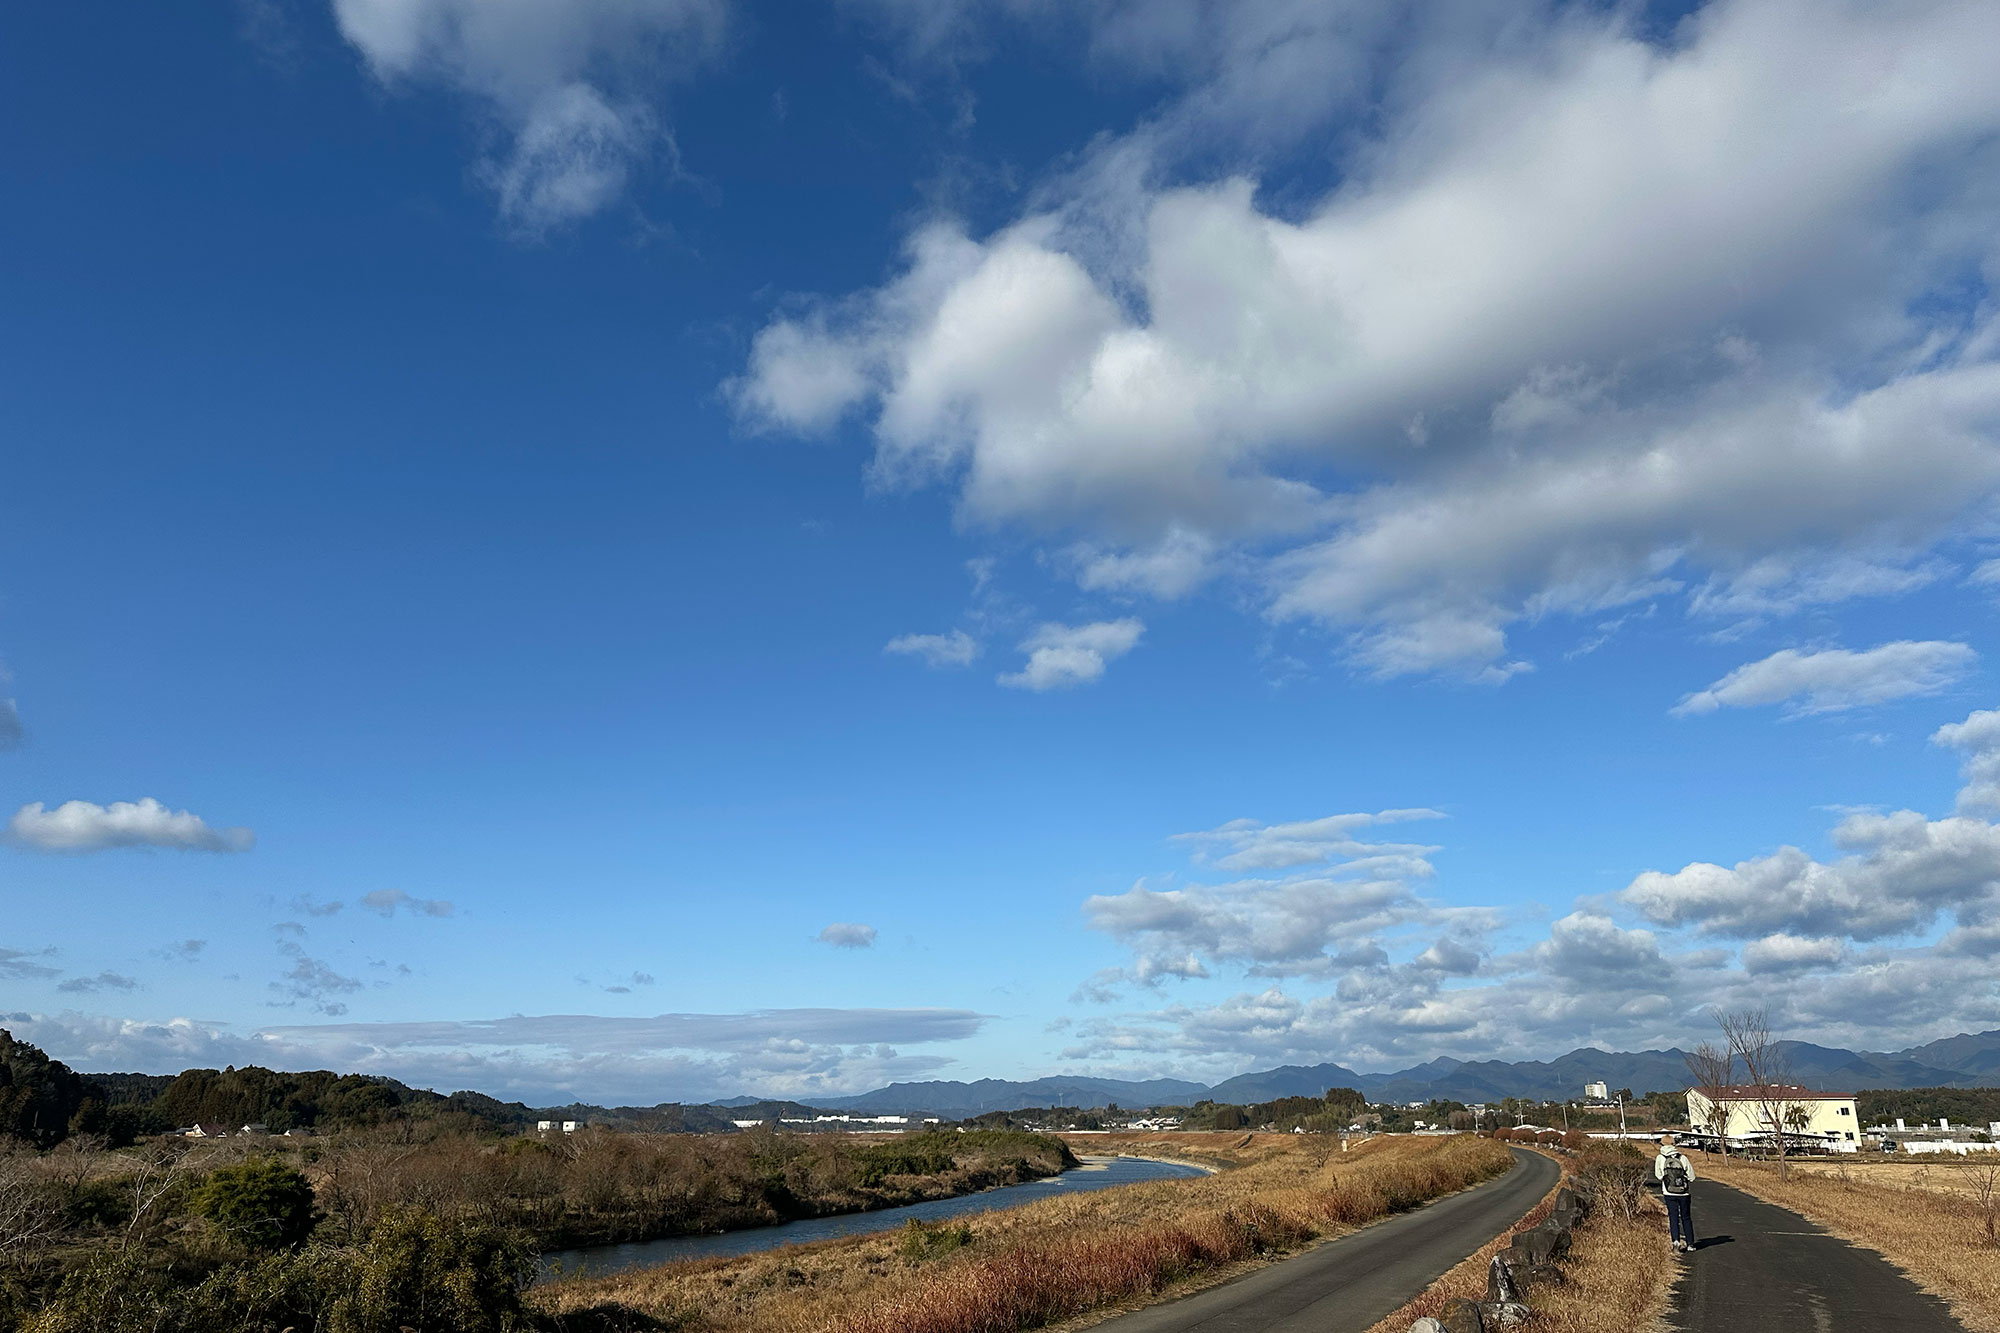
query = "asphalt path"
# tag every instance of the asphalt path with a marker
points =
(1758, 1267)
(1349, 1283)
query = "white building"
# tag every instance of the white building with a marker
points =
(1600, 1091)
(1747, 1112)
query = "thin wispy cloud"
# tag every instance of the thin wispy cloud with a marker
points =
(1833, 680)
(937, 650)
(388, 902)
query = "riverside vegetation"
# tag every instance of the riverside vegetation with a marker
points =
(249, 1233)
(1042, 1263)
(421, 1220)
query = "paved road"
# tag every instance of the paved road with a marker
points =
(1347, 1284)
(1759, 1268)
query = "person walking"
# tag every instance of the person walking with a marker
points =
(1676, 1176)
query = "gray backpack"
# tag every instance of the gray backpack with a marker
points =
(1674, 1176)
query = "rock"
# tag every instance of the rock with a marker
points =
(1427, 1325)
(1464, 1317)
(1550, 1241)
(1531, 1247)
(1500, 1283)
(1504, 1314)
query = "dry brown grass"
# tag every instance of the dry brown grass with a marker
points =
(1957, 1175)
(1042, 1263)
(1935, 1233)
(1620, 1274)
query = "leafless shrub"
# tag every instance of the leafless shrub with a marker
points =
(29, 1217)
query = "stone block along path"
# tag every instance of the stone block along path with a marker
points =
(1351, 1282)
(1759, 1268)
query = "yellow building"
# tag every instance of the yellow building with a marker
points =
(1743, 1113)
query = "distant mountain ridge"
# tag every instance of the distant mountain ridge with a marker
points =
(1968, 1060)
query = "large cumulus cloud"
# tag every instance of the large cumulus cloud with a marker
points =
(1592, 316)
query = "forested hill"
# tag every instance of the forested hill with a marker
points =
(44, 1101)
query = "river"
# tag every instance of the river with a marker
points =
(1096, 1173)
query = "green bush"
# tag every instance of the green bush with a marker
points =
(421, 1273)
(414, 1274)
(933, 1240)
(262, 1203)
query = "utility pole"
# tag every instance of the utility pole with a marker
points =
(1621, 1117)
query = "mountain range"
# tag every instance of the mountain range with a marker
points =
(1969, 1060)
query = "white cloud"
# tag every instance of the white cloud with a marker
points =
(1174, 566)
(80, 826)
(1132, 361)
(1061, 656)
(1253, 846)
(543, 69)
(1792, 953)
(1894, 940)
(387, 902)
(938, 650)
(1899, 871)
(848, 935)
(1318, 924)
(544, 1058)
(1835, 679)
(571, 157)
(1979, 737)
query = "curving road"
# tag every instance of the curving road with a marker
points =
(1352, 1282)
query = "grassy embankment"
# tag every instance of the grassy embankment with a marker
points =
(1619, 1273)
(1043, 1263)
(1930, 1220)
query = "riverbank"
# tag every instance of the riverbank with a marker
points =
(601, 1187)
(1095, 1173)
(1044, 1262)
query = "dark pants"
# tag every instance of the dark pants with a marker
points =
(1680, 1217)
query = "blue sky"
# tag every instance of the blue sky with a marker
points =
(774, 549)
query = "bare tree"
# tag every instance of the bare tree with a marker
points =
(28, 1216)
(1772, 1092)
(162, 1170)
(1986, 1191)
(1713, 1069)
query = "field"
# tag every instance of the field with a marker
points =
(1938, 1222)
(1048, 1262)
(1952, 1176)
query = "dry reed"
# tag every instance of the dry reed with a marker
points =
(1045, 1262)
(1619, 1274)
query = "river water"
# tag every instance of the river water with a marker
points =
(1096, 1173)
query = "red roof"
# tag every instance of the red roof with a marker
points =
(1775, 1092)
